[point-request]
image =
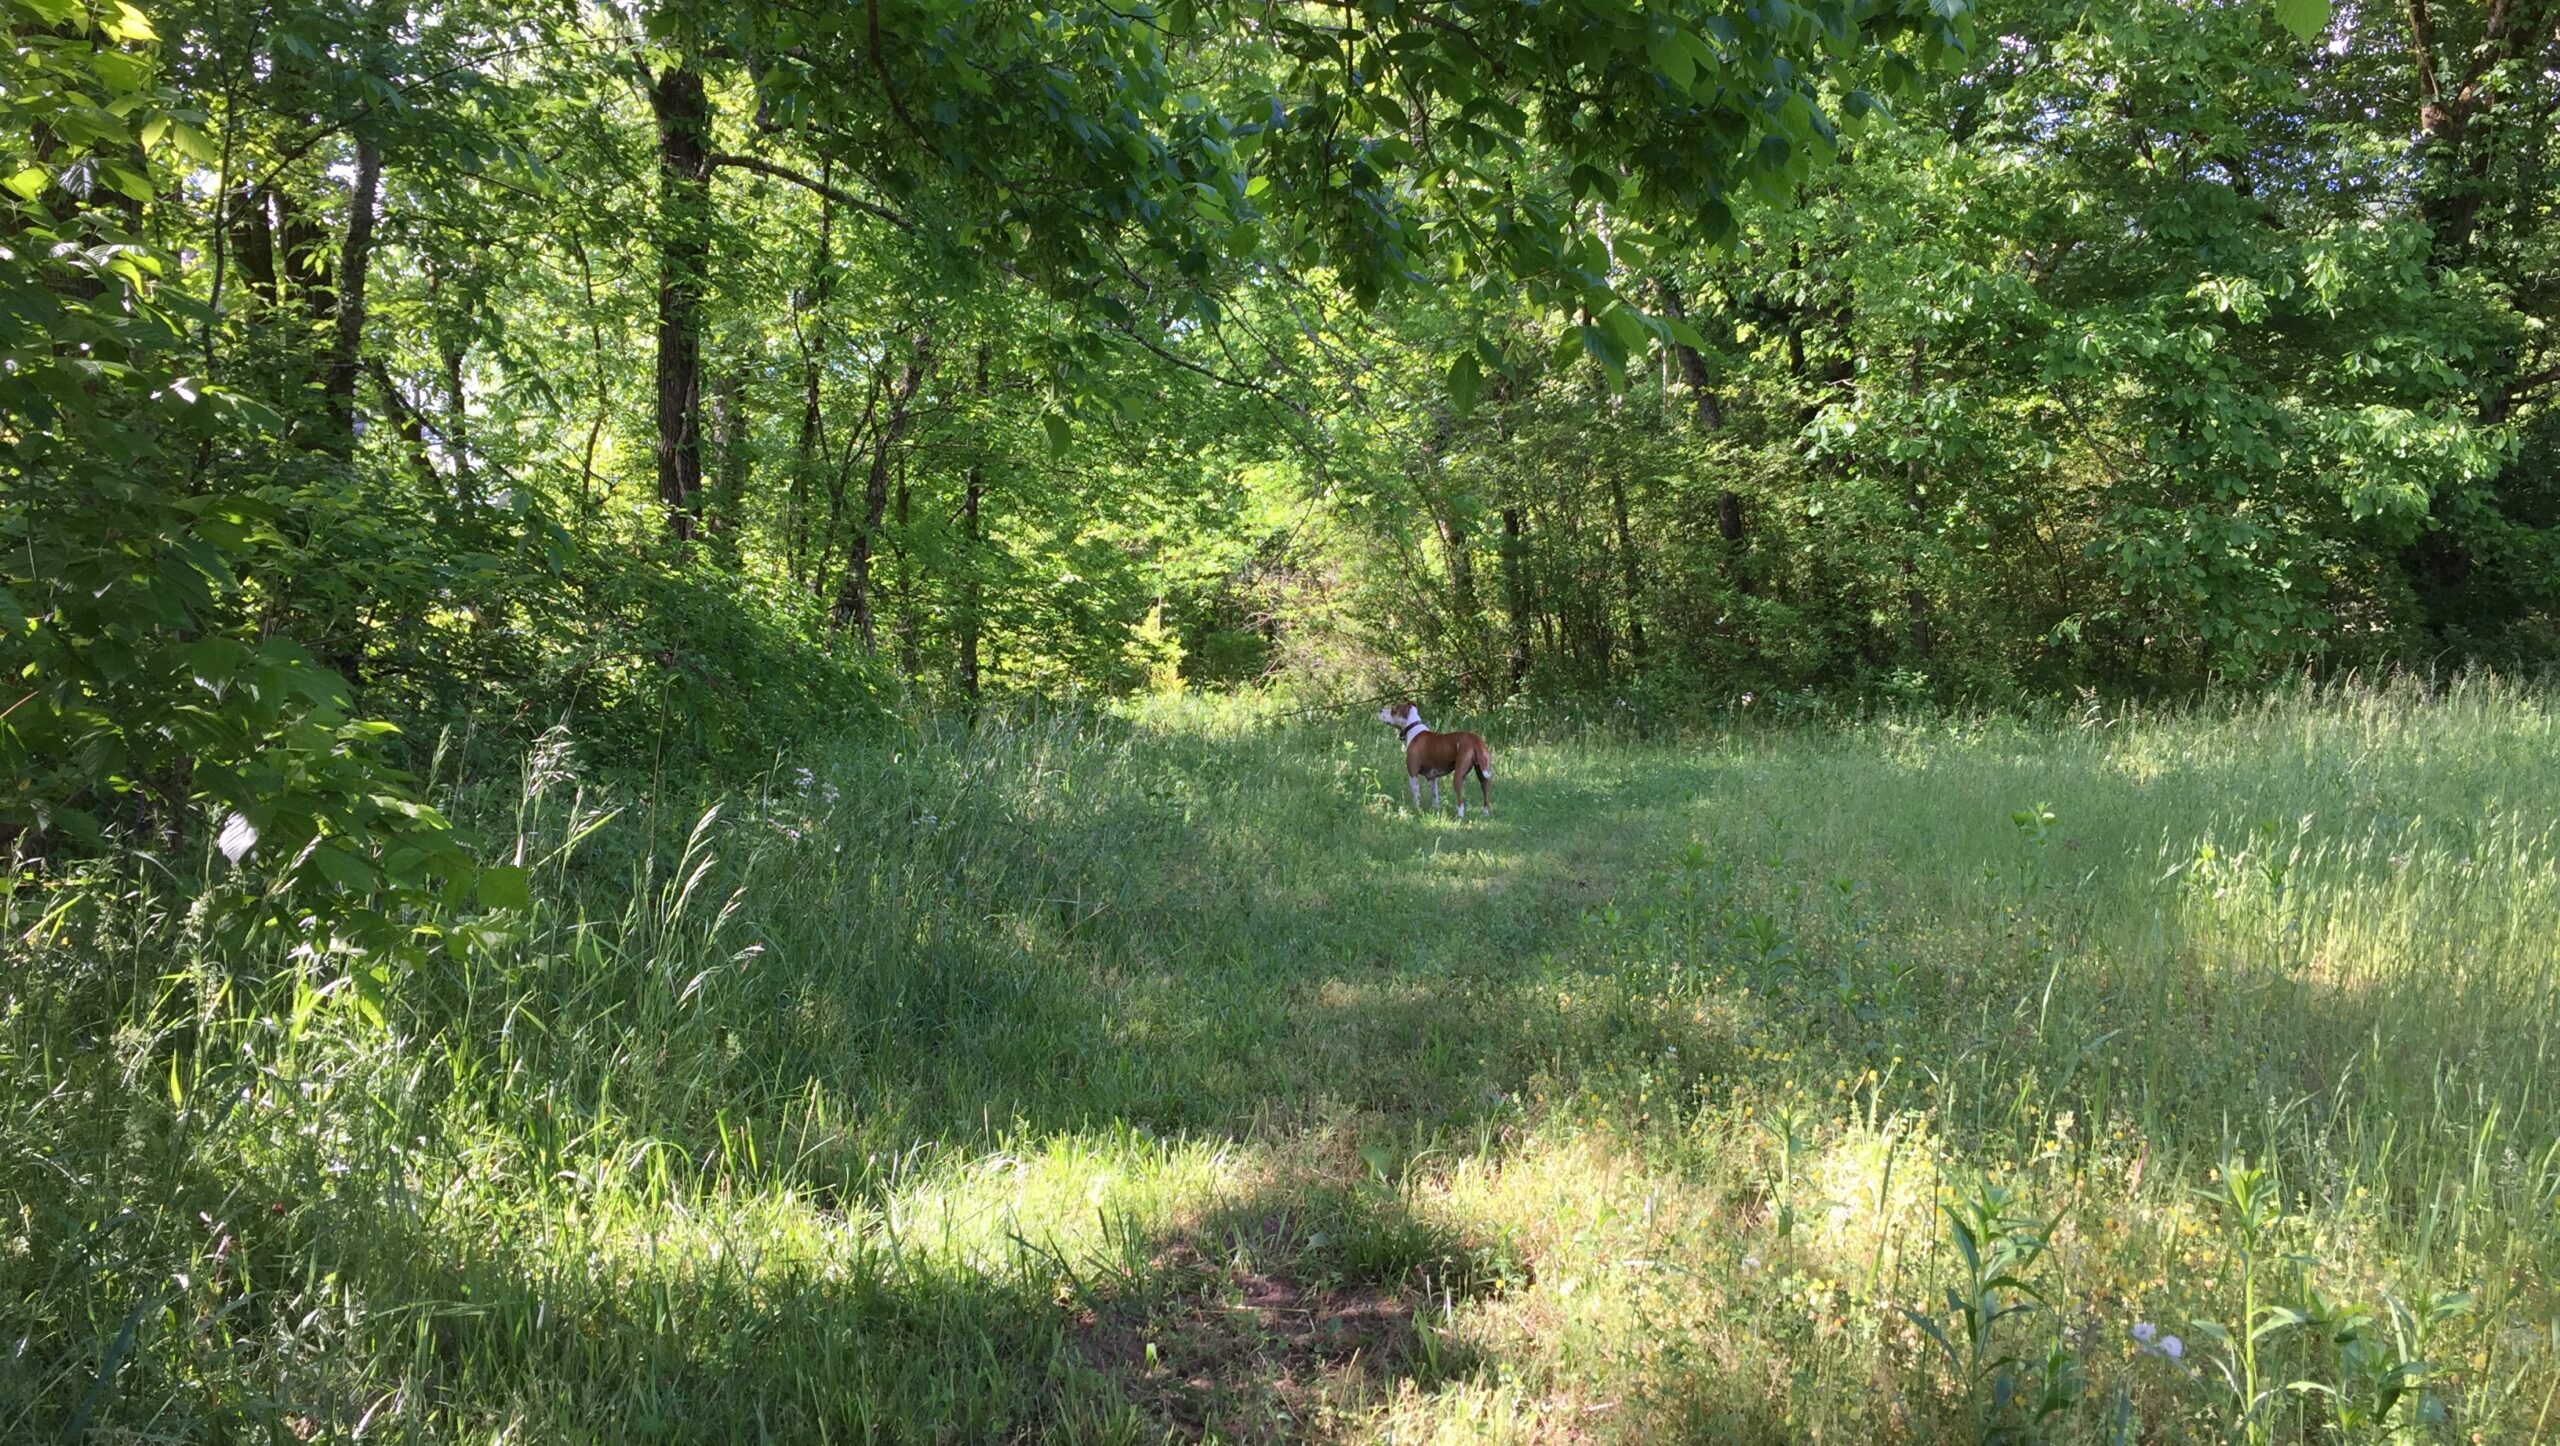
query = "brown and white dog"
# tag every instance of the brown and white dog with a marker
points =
(1437, 755)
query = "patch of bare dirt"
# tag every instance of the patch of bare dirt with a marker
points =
(1242, 1355)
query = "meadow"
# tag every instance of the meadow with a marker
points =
(2122, 1076)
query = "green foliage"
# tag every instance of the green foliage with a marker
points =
(2011, 1398)
(656, 393)
(148, 697)
(2123, 361)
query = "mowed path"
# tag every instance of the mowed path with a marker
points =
(1585, 1067)
(1169, 1077)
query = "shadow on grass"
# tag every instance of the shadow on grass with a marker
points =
(1227, 970)
(1281, 1313)
(1196, 970)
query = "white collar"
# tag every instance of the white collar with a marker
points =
(1416, 726)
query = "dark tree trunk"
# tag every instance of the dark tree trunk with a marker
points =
(303, 259)
(1630, 572)
(806, 456)
(853, 598)
(253, 241)
(457, 430)
(1915, 603)
(971, 532)
(910, 652)
(2453, 167)
(1709, 414)
(973, 560)
(412, 427)
(602, 384)
(837, 477)
(1515, 596)
(1462, 567)
(729, 449)
(812, 445)
(355, 258)
(683, 110)
(1693, 367)
(1451, 524)
(1462, 637)
(1541, 596)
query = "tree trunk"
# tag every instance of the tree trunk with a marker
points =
(457, 432)
(1462, 567)
(1693, 367)
(1515, 597)
(837, 476)
(2454, 168)
(853, 598)
(355, 257)
(1710, 418)
(602, 384)
(971, 532)
(303, 259)
(1451, 525)
(1915, 603)
(812, 445)
(1630, 574)
(910, 659)
(253, 241)
(973, 561)
(412, 427)
(729, 449)
(683, 110)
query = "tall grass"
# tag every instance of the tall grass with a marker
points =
(2128, 1077)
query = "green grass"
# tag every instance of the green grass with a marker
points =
(1163, 1074)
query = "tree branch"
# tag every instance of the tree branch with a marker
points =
(808, 182)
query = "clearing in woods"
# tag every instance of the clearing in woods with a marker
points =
(1165, 1074)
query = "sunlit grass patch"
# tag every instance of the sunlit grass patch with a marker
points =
(1081, 1078)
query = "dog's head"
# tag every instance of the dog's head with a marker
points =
(1399, 715)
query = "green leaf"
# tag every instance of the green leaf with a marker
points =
(1605, 350)
(1590, 180)
(1626, 328)
(505, 886)
(129, 24)
(1055, 423)
(126, 180)
(1466, 380)
(344, 867)
(194, 144)
(1672, 59)
(2305, 18)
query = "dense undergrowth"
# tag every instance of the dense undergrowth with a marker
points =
(2179, 1076)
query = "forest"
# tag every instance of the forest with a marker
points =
(561, 565)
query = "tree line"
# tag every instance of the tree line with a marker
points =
(709, 375)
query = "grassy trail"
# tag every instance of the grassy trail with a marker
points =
(2186, 1078)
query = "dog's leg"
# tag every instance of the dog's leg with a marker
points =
(1484, 788)
(1414, 781)
(1435, 795)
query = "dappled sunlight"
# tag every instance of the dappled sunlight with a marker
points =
(1161, 1076)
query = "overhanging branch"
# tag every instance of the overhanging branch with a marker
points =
(810, 183)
